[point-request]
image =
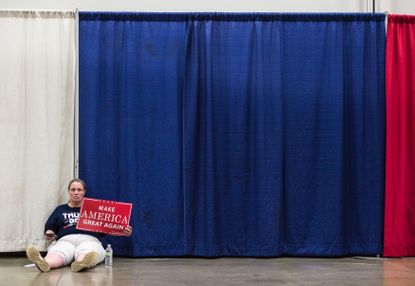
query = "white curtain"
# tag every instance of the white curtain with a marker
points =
(37, 96)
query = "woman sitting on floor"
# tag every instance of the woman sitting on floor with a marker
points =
(81, 249)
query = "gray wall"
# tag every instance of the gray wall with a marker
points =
(392, 6)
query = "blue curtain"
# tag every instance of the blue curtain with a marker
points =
(236, 134)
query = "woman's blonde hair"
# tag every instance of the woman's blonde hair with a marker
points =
(77, 180)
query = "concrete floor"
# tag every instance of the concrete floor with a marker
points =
(222, 271)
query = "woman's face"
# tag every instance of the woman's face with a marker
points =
(76, 193)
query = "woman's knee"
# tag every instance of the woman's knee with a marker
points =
(64, 249)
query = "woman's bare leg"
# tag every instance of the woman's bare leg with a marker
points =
(54, 260)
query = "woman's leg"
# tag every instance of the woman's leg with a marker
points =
(54, 260)
(60, 253)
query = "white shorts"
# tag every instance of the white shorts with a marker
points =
(71, 246)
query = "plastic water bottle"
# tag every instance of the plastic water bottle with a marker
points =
(108, 256)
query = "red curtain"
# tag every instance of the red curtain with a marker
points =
(399, 237)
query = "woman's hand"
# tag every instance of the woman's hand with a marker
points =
(127, 231)
(50, 235)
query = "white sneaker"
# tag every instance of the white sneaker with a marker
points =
(34, 255)
(89, 261)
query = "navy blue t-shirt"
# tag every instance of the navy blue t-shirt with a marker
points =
(63, 222)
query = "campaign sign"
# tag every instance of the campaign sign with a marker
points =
(104, 216)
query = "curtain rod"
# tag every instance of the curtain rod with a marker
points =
(37, 11)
